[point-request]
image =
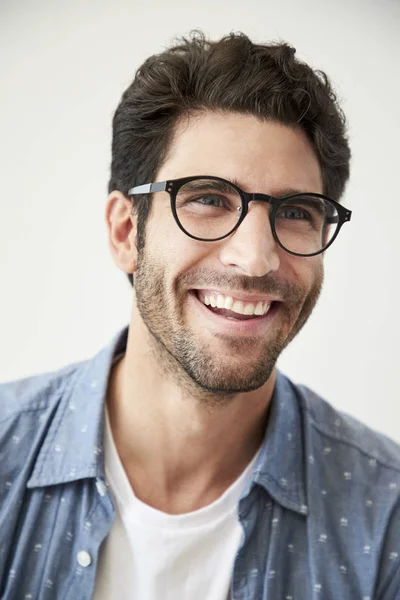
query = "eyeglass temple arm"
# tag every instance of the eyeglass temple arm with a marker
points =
(148, 188)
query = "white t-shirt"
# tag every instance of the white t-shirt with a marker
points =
(151, 555)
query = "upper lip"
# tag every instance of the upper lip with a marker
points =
(238, 295)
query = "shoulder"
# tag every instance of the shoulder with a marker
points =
(29, 409)
(35, 394)
(353, 483)
(346, 432)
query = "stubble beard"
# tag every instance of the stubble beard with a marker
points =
(179, 354)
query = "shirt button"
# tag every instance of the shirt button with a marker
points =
(84, 559)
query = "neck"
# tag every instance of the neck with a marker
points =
(180, 449)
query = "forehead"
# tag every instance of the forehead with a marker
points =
(260, 155)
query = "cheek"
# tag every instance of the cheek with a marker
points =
(178, 252)
(169, 245)
(164, 238)
(306, 275)
(317, 269)
(307, 271)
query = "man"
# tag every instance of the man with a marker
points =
(179, 463)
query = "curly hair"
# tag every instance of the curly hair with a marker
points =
(231, 74)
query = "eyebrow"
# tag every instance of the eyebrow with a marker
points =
(222, 186)
(280, 193)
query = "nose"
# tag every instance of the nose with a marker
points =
(252, 248)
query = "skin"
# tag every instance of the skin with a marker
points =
(188, 403)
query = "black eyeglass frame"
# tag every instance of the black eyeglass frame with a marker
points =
(172, 186)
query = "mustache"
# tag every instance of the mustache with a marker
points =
(268, 284)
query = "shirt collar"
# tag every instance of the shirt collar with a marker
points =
(73, 446)
(280, 467)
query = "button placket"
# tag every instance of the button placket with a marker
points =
(84, 559)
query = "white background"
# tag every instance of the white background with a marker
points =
(63, 68)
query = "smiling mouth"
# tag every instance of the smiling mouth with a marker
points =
(232, 308)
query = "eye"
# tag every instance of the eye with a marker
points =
(211, 200)
(293, 212)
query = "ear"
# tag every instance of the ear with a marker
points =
(122, 231)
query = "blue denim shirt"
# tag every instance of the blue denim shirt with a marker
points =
(320, 515)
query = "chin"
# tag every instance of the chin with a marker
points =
(228, 380)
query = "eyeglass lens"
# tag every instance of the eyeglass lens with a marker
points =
(209, 209)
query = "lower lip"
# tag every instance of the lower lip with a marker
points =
(249, 327)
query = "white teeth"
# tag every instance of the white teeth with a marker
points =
(248, 309)
(217, 300)
(228, 302)
(220, 301)
(259, 308)
(238, 307)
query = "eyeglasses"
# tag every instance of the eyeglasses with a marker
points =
(210, 209)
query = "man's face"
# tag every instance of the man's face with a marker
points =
(222, 351)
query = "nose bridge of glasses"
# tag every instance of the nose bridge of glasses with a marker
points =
(262, 215)
(260, 198)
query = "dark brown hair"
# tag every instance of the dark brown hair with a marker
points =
(232, 74)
